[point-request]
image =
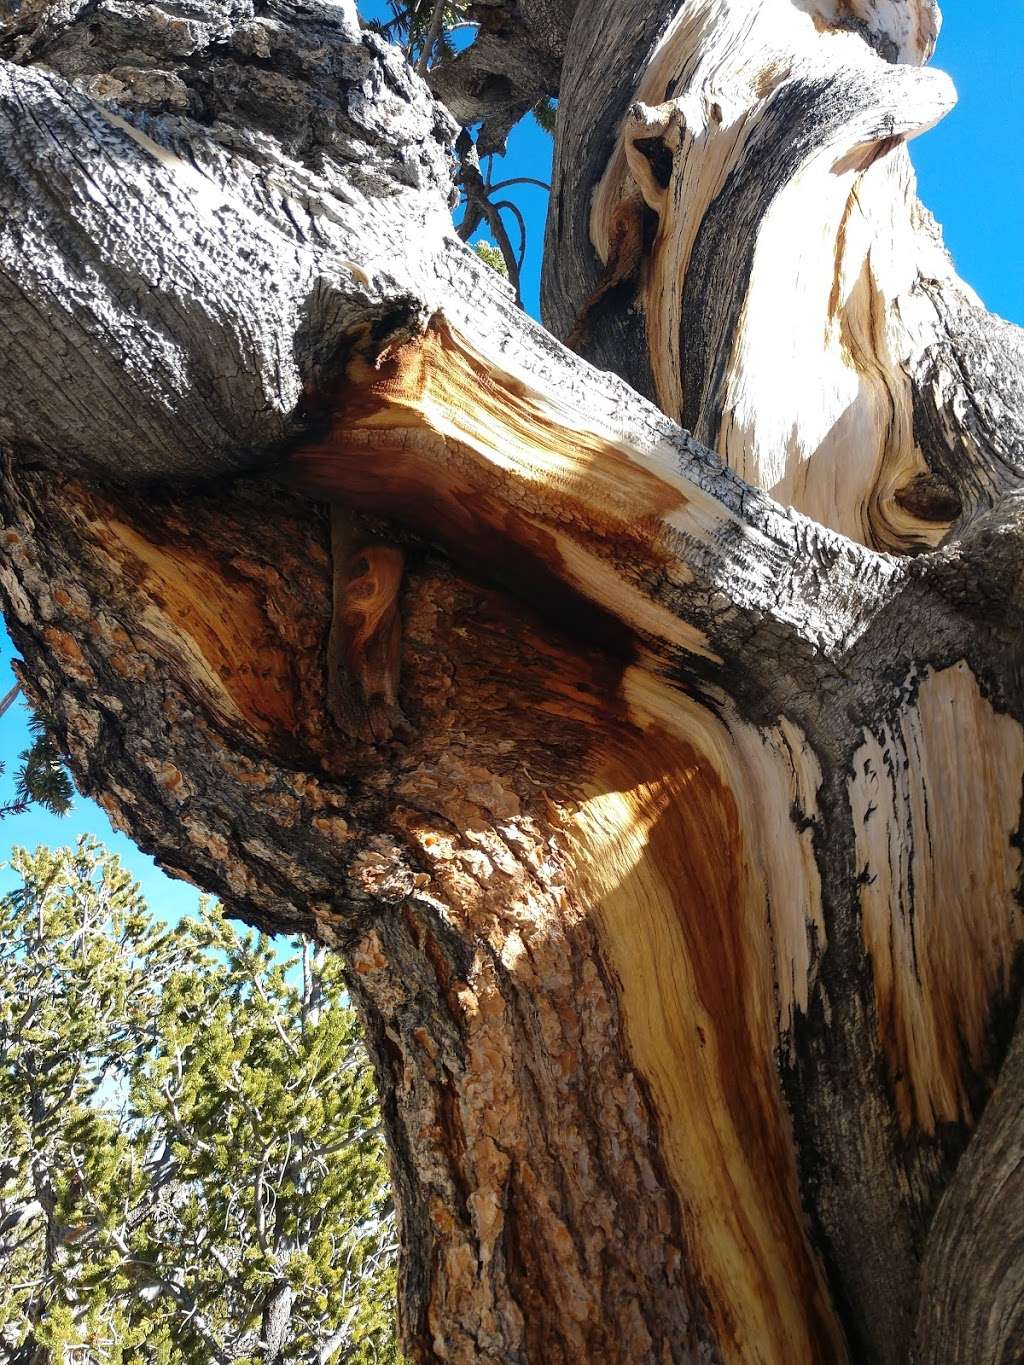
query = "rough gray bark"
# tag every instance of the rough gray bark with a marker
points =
(971, 1304)
(514, 62)
(677, 870)
(261, 218)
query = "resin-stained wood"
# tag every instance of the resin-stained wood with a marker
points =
(687, 872)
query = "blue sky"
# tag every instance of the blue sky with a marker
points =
(167, 897)
(971, 167)
(971, 171)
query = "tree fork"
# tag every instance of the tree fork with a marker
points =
(681, 901)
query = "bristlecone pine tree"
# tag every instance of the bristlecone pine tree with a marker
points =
(640, 719)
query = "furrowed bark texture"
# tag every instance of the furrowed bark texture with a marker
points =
(665, 805)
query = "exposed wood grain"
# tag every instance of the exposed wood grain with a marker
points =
(936, 802)
(685, 879)
(364, 647)
(971, 1304)
(799, 312)
(625, 513)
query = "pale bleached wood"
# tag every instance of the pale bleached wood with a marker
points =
(799, 312)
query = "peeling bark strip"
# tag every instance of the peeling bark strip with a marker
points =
(684, 875)
(671, 838)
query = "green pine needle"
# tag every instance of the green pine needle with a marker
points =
(491, 256)
(43, 778)
(546, 112)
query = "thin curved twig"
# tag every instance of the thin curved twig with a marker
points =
(520, 180)
(497, 226)
(515, 211)
(8, 701)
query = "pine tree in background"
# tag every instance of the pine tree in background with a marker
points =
(192, 1165)
(422, 27)
(489, 253)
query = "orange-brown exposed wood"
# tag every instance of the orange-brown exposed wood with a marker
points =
(364, 649)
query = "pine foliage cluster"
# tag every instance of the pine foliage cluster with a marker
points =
(42, 778)
(410, 23)
(491, 256)
(191, 1165)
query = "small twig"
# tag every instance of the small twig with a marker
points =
(7, 702)
(501, 237)
(479, 207)
(433, 33)
(414, 14)
(520, 180)
(514, 210)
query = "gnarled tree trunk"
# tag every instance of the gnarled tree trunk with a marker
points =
(664, 804)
